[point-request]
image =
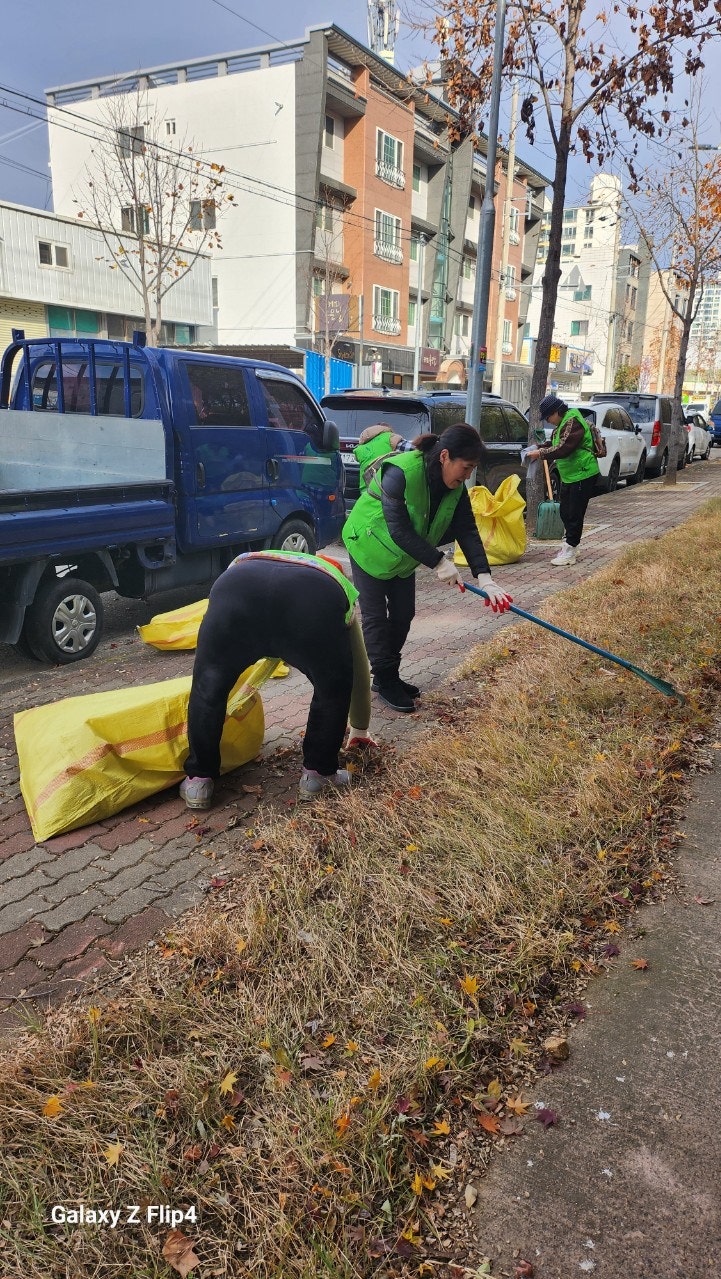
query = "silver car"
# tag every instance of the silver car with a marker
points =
(653, 414)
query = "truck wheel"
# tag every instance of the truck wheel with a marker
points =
(65, 621)
(295, 535)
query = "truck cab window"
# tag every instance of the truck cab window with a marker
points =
(76, 387)
(289, 410)
(218, 395)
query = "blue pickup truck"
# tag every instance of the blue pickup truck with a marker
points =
(138, 470)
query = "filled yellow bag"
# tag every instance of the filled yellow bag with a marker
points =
(85, 758)
(179, 630)
(175, 630)
(499, 519)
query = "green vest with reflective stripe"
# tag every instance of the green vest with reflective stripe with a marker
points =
(366, 534)
(582, 463)
(311, 561)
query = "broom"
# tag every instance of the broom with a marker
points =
(549, 527)
(660, 685)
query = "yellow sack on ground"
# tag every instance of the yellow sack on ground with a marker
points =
(85, 758)
(179, 630)
(499, 519)
(175, 630)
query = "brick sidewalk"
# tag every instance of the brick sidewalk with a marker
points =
(71, 908)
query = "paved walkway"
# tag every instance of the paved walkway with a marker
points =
(75, 905)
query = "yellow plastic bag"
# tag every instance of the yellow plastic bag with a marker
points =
(179, 630)
(85, 758)
(499, 518)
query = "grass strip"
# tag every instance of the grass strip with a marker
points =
(311, 1065)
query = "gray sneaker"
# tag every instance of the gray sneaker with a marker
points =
(312, 784)
(197, 791)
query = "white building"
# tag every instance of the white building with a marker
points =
(585, 320)
(55, 277)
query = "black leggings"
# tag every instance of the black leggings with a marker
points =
(573, 504)
(265, 608)
(387, 610)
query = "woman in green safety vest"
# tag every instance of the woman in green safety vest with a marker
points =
(415, 501)
(571, 448)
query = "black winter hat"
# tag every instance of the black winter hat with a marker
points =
(552, 404)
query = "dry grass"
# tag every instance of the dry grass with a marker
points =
(330, 978)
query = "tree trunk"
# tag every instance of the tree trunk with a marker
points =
(677, 409)
(551, 278)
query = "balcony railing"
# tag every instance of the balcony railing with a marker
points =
(387, 324)
(507, 348)
(387, 250)
(514, 237)
(390, 174)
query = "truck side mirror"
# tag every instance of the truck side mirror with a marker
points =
(330, 442)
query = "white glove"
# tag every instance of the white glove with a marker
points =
(448, 573)
(498, 599)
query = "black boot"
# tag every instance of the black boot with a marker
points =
(393, 692)
(411, 689)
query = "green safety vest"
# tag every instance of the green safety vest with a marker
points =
(366, 534)
(366, 454)
(582, 463)
(311, 561)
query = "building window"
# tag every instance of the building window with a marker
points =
(135, 220)
(582, 295)
(589, 216)
(131, 140)
(569, 233)
(579, 328)
(588, 238)
(389, 160)
(469, 268)
(387, 244)
(214, 290)
(412, 312)
(50, 254)
(472, 203)
(329, 135)
(170, 128)
(318, 286)
(510, 283)
(569, 215)
(414, 248)
(324, 218)
(567, 250)
(386, 304)
(507, 338)
(513, 223)
(416, 177)
(202, 215)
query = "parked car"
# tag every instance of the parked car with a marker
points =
(137, 470)
(700, 437)
(503, 428)
(625, 446)
(716, 422)
(653, 414)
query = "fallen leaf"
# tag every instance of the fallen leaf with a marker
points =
(434, 1063)
(576, 1009)
(228, 1083)
(556, 1046)
(252, 790)
(640, 964)
(241, 945)
(470, 1194)
(284, 1077)
(218, 882)
(441, 1128)
(113, 1152)
(439, 1172)
(524, 1270)
(178, 1252)
(312, 1063)
(351, 1046)
(375, 1079)
(610, 950)
(53, 1107)
(519, 1048)
(470, 985)
(94, 1015)
(547, 1117)
(517, 1105)
(328, 1041)
(510, 1127)
(704, 901)
(489, 1123)
(192, 1154)
(611, 926)
(342, 1123)
(414, 792)
(228, 1122)
(417, 1184)
(495, 1089)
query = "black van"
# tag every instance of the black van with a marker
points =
(504, 430)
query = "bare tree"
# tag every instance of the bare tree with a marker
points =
(156, 203)
(677, 210)
(589, 82)
(331, 272)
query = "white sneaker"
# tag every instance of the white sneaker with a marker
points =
(197, 791)
(566, 556)
(312, 783)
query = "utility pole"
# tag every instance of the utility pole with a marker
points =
(506, 229)
(419, 314)
(608, 373)
(477, 361)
